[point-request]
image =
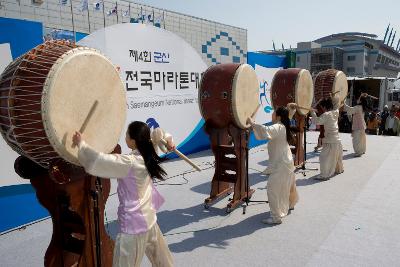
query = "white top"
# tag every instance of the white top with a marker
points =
(358, 117)
(329, 120)
(138, 198)
(278, 147)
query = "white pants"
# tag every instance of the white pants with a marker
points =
(331, 159)
(359, 142)
(282, 192)
(130, 249)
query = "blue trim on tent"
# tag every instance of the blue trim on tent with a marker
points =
(267, 61)
(22, 35)
(79, 36)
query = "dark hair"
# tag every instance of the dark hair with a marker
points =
(365, 103)
(140, 132)
(283, 112)
(326, 103)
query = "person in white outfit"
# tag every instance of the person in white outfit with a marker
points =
(332, 151)
(359, 126)
(138, 198)
(281, 188)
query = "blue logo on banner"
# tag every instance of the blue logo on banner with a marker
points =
(152, 123)
(263, 95)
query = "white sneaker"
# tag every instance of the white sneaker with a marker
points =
(271, 221)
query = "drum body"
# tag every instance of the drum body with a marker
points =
(292, 86)
(46, 95)
(330, 81)
(228, 94)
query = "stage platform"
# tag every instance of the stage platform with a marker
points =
(351, 220)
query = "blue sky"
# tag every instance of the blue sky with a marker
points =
(289, 22)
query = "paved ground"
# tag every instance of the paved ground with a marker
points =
(350, 220)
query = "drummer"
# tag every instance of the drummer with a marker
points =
(139, 200)
(359, 126)
(281, 188)
(332, 150)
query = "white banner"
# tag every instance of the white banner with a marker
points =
(265, 76)
(161, 73)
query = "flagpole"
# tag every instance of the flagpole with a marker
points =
(104, 15)
(88, 14)
(163, 18)
(116, 10)
(129, 6)
(73, 23)
(141, 14)
(153, 16)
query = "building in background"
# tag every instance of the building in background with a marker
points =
(371, 65)
(74, 19)
(354, 53)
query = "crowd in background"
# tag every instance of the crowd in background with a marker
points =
(385, 122)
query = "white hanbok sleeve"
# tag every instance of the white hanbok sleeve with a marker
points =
(262, 132)
(156, 136)
(318, 120)
(352, 110)
(104, 165)
(292, 111)
(336, 102)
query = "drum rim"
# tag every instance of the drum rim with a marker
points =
(233, 98)
(296, 89)
(338, 73)
(199, 98)
(49, 129)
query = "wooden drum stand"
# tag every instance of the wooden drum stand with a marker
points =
(76, 202)
(229, 146)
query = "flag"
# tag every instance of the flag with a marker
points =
(97, 6)
(63, 2)
(157, 21)
(112, 11)
(387, 30)
(83, 6)
(125, 13)
(150, 18)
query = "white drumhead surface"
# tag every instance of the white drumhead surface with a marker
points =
(304, 91)
(340, 84)
(79, 78)
(245, 91)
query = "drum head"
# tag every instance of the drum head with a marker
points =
(340, 84)
(304, 91)
(245, 90)
(76, 81)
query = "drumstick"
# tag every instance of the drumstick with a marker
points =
(90, 114)
(334, 93)
(373, 97)
(182, 156)
(309, 109)
(255, 112)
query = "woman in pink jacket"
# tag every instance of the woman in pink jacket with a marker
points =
(139, 200)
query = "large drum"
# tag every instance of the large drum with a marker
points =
(330, 81)
(54, 90)
(292, 86)
(228, 94)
